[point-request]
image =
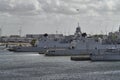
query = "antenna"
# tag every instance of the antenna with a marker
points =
(112, 29)
(56, 32)
(119, 28)
(20, 30)
(1, 31)
(106, 30)
(101, 32)
(69, 31)
(78, 24)
(65, 33)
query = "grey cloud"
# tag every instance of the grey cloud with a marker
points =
(57, 6)
(105, 6)
(19, 6)
(66, 7)
(4, 5)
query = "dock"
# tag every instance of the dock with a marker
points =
(7, 44)
(81, 58)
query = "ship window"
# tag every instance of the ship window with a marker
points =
(52, 51)
(18, 48)
(73, 47)
(83, 40)
(96, 40)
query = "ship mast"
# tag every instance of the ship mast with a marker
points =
(119, 28)
(1, 31)
(78, 31)
(20, 31)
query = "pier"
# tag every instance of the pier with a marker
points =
(81, 58)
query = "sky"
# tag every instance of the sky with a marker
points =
(59, 16)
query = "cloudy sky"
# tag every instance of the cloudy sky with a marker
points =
(41, 16)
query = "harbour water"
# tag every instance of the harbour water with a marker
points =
(34, 66)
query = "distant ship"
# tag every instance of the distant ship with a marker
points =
(46, 43)
(77, 45)
(81, 45)
(42, 45)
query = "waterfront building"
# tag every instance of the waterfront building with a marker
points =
(39, 36)
(113, 37)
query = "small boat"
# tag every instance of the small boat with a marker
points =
(106, 55)
(3, 47)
